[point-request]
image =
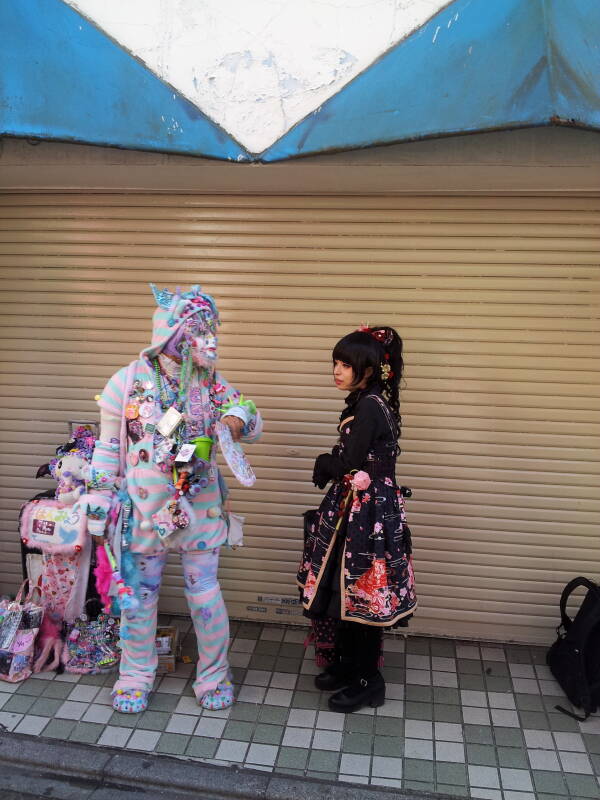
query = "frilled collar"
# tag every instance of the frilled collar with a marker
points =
(353, 398)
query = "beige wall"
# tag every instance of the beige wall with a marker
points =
(532, 160)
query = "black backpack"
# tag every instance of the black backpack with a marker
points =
(574, 658)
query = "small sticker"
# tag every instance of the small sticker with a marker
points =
(169, 421)
(43, 526)
(185, 453)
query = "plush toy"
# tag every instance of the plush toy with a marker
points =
(71, 467)
(65, 563)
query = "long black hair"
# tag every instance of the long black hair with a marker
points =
(378, 347)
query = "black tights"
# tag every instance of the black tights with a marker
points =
(359, 648)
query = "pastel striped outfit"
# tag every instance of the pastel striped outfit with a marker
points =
(209, 396)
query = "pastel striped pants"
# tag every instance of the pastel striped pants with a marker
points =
(209, 616)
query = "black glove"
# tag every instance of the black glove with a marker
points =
(321, 475)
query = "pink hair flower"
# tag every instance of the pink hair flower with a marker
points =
(361, 481)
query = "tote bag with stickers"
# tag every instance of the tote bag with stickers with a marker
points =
(20, 622)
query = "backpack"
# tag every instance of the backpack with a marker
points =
(574, 658)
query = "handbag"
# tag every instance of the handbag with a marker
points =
(235, 530)
(20, 622)
(574, 658)
(54, 528)
(91, 645)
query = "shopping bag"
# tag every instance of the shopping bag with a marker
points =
(20, 622)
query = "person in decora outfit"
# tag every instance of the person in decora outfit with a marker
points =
(356, 568)
(155, 486)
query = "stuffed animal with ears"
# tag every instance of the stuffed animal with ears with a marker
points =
(71, 467)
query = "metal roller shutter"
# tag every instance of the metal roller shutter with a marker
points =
(496, 299)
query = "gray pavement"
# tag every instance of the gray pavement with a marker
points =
(35, 767)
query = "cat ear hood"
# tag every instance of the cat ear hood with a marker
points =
(173, 308)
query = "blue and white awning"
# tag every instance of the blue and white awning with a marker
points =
(290, 79)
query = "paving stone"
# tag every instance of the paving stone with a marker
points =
(261, 754)
(443, 647)
(359, 723)
(468, 666)
(549, 782)
(88, 732)
(513, 757)
(232, 751)
(32, 725)
(32, 687)
(476, 716)
(202, 747)
(246, 712)
(114, 736)
(352, 764)
(168, 702)
(45, 706)
(535, 720)
(153, 720)
(543, 760)
(508, 737)
(495, 684)
(19, 704)
(59, 728)
(384, 726)
(496, 669)
(237, 730)
(385, 746)
(582, 785)
(450, 751)
(578, 763)
(472, 682)
(420, 694)
(327, 740)
(481, 754)
(305, 700)
(422, 711)
(386, 767)
(143, 740)
(529, 702)
(455, 791)
(418, 748)
(328, 761)
(172, 743)
(416, 769)
(446, 713)
(274, 715)
(518, 779)
(297, 737)
(479, 734)
(295, 757)
(446, 695)
(592, 742)
(57, 690)
(570, 742)
(560, 722)
(420, 786)
(451, 773)
(116, 718)
(485, 777)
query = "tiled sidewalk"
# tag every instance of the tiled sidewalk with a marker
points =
(461, 718)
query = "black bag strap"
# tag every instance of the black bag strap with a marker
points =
(566, 620)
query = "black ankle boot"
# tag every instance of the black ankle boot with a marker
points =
(335, 676)
(361, 692)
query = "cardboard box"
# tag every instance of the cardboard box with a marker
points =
(167, 644)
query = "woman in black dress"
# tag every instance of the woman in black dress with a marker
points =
(356, 567)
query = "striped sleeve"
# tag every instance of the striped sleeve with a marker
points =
(234, 402)
(111, 399)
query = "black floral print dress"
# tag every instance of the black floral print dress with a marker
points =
(356, 563)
